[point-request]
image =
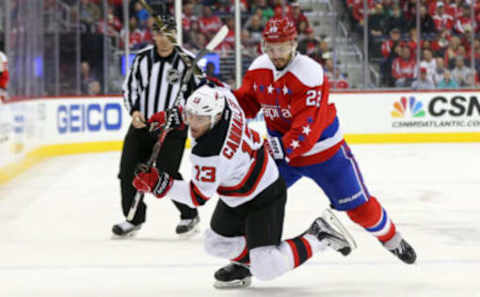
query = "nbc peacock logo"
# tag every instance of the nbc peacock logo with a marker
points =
(410, 106)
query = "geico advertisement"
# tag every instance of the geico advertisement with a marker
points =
(438, 112)
(363, 113)
(92, 117)
(89, 119)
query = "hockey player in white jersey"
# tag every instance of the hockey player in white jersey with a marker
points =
(231, 161)
(4, 77)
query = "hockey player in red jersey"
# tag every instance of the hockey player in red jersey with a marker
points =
(4, 77)
(304, 133)
(230, 160)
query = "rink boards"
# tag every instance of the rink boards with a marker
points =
(31, 130)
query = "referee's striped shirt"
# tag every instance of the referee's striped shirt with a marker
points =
(153, 82)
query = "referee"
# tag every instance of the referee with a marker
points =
(151, 86)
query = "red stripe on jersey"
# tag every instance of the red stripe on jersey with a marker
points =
(224, 190)
(320, 157)
(308, 247)
(296, 259)
(195, 193)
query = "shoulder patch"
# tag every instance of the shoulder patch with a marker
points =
(308, 71)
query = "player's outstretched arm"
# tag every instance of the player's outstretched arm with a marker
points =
(246, 97)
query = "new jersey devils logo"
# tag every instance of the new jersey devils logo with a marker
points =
(196, 100)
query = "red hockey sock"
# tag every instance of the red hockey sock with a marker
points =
(374, 218)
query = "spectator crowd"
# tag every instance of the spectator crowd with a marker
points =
(446, 47)
(201, 20)
(446, 30)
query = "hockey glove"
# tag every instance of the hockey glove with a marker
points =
(153, 182)
(275, 147)
(171, 117)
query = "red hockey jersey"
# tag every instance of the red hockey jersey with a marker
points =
(4, 75)
(295, 106)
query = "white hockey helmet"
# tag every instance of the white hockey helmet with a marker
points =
(206, 101)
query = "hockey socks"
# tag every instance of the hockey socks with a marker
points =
(374, 218)
(300, 250)
(243, 258)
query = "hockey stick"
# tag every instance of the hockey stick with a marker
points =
(158, 21)
(216, 40)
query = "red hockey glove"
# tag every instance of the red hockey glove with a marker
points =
(153, 182)
(171, 117)
(275, 147)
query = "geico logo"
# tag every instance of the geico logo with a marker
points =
(89, 117)
(456, 106)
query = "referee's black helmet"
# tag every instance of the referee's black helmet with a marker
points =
(168, 21)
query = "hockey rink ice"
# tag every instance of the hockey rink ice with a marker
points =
(56, 241)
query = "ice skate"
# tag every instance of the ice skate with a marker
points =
(188, 227)
(233, 276)
(400, 248)
(329, 228)
(125, 229)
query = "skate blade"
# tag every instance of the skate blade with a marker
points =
(332, 219)
(236, 284)
(117, 235)
(189, 234)
(125, 236)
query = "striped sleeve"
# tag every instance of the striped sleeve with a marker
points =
(188, 193)
(181, 192)
(132, 86)
(198, 198)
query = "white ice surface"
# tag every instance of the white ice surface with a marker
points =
(56, 241)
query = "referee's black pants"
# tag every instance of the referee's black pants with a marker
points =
(137, 148)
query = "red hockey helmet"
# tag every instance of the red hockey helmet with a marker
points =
(279, 29)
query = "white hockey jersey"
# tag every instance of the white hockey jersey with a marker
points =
(229, 160)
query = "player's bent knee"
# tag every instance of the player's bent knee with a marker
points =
(222, 246)
(267, 263)
(366, 214)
